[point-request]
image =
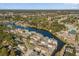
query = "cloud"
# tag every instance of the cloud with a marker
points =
(72, 5)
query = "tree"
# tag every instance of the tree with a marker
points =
(3, 52)
(12, 53)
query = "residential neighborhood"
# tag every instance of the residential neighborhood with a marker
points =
(39, 32)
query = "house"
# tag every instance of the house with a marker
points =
(77, 50)
(43, 43)
(66, 36)
(22, 48)
(37, 48)
(69, 50)
(42, 50)
(35, 37)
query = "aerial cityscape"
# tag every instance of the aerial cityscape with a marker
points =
(39, 32)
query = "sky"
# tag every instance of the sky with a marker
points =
(39, 6)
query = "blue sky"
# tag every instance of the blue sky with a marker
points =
(39, 6)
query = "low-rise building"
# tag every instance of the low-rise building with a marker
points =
(42, 50)
(77, 50)
(66, 36)
(35, 37)
(69, 50)
(22, 48)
